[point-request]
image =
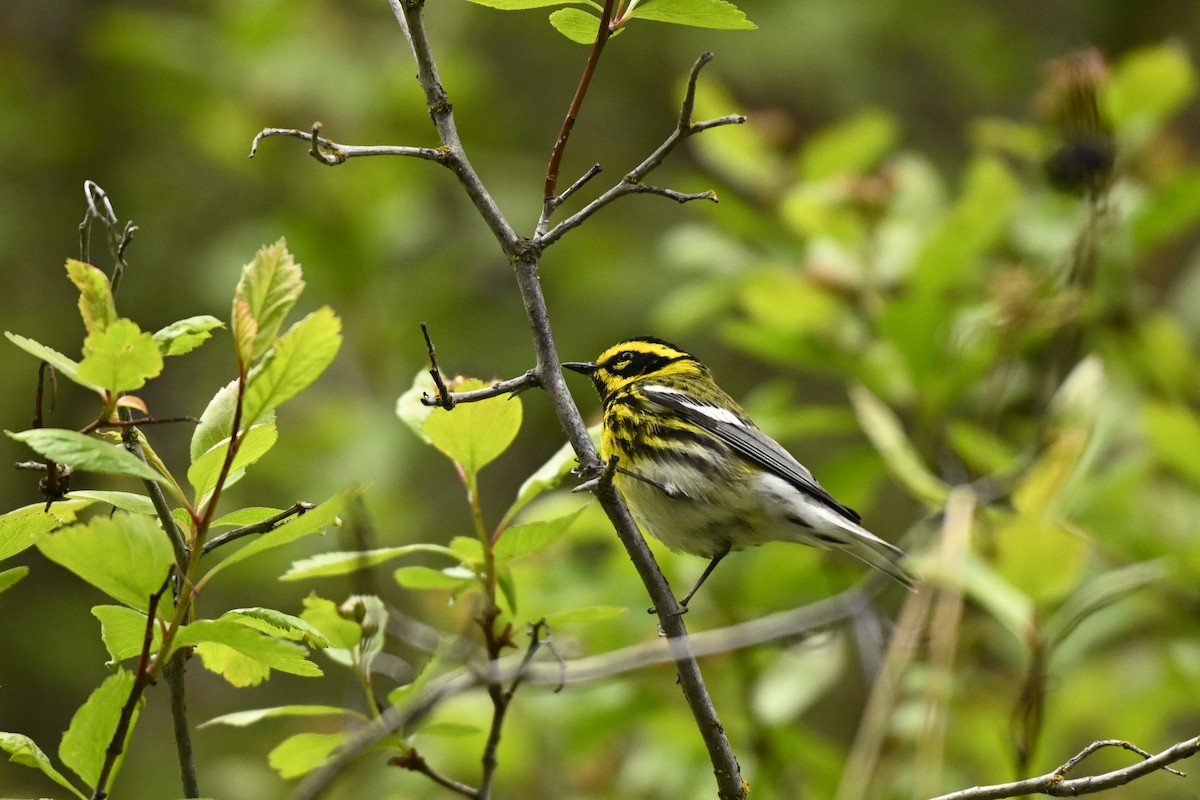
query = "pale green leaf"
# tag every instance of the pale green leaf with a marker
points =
(1041, 488)
(186, 335)
(585, 615)
(427, 578)
(245, 333)
(1007, 604)
(1174, 433)
(886, 433)
(123, 632)
(205, 470)
(325, 616)
(92, 728)
(241, 719)
(120, 358)
(297, 359)
(216, 423)
(86, 453)
(1039, 557)
(532, 537)
(278, 624)
(242, 656)
(10, 577)
(696, 13)
(851, 147)
(126, 501)
(251, 515)
(577, 25)
(19, 526)
(22, 750)
(324, 565)
(778, 698)
(547, 477)
(409, 408)
(473, 434)
(299, 754)
(269, 286)
(1097, 593)
(95, 295)
(451, 730)
(1149, 86)
(65, 366)
(126, 556)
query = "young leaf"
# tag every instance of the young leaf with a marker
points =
(10, 577)
(216, 423)
(547, 476)
(245, 333)
(278, 624)
(310, 522)
(696, 13)
(85, 453)
(91, 730)
(120, 357)
(126, 501)
(22, 750)
(531, 537)
(241, 719)
(426, 578)
(324, 565)
(299, 754)
(475, 433)
(95, 295)
(66, 367)
(270, 285)
(19, 527)
(242, 656)
(126, 556)
(409, 408)
(577, 25)
(123, 632)
(296, 360)
(206, 469)
(186, 335)
(326, 617)
(886, 433)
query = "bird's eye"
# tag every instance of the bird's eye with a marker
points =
(625, 357)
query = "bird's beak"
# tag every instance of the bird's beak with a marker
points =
(582, 367)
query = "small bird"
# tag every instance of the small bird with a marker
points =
(700, 476)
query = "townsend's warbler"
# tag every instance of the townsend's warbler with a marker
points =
(700, 476)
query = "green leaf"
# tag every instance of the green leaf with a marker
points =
(205, 470)
(10, 577)
(409, 408)
(86, 453)
(22, 750)
(519, 5)
(66, 367)
(242, 656)
(126, 556)
(473, 434)
(241, 719)
(19, 527)
(123, 632)
(696, 13)
(278, 624)
(578, 26)
(1039, 557)
(547, 477)
(851, 147)
(532, 537)
(298, 527)
(92, 728)
(325, 616)
(324, 565)
(1040, 490)
(95, 295)
(1174, 433)
(779, 699)
(299, 754)
(120, 358)
(186, 335)
(585, 615)
(126, 501)
(447, 729)
(296, 360)
(886, 433)
(1149, 86)
(427, 578)
(216, 423)
(1003, 601)
(269, 287)
(1098, 593)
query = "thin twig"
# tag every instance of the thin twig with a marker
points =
(266, 526)
(415, 762)
(331, 153)
(512, 386)
(1056, 784)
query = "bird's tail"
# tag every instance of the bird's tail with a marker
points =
(883, 556)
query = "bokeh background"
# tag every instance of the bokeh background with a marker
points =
(158, 103)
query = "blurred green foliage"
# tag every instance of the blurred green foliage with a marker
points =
(884, 227)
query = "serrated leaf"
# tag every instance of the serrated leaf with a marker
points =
(126, 556)
(241, 719)
(578, 26)
(245, 333)
(547, 477)
(278, 624)
(186, 335)
(297, 359)
(22, 750)
(67, 367)
(886, 433)
(126, 501)
(19, 527)
(120, 358)
(585, 615)
(205, 470)
(300, 754)
(95, 295)
(85, 453)
(325, 616)
(531, 537)
(427, 578)
(269, 287)
(473, 434)
(242, 656)
(91, 730)
(306, 524)
(10, 577)
(123, 632)
(216, 423)
(324, 565)
(696, 13)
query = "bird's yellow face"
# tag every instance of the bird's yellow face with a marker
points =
(637, 359)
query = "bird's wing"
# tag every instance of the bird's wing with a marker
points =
(748, 441)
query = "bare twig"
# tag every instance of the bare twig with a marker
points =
(415, 762)
(331, 153)
(1056, 784)
(266, 526)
